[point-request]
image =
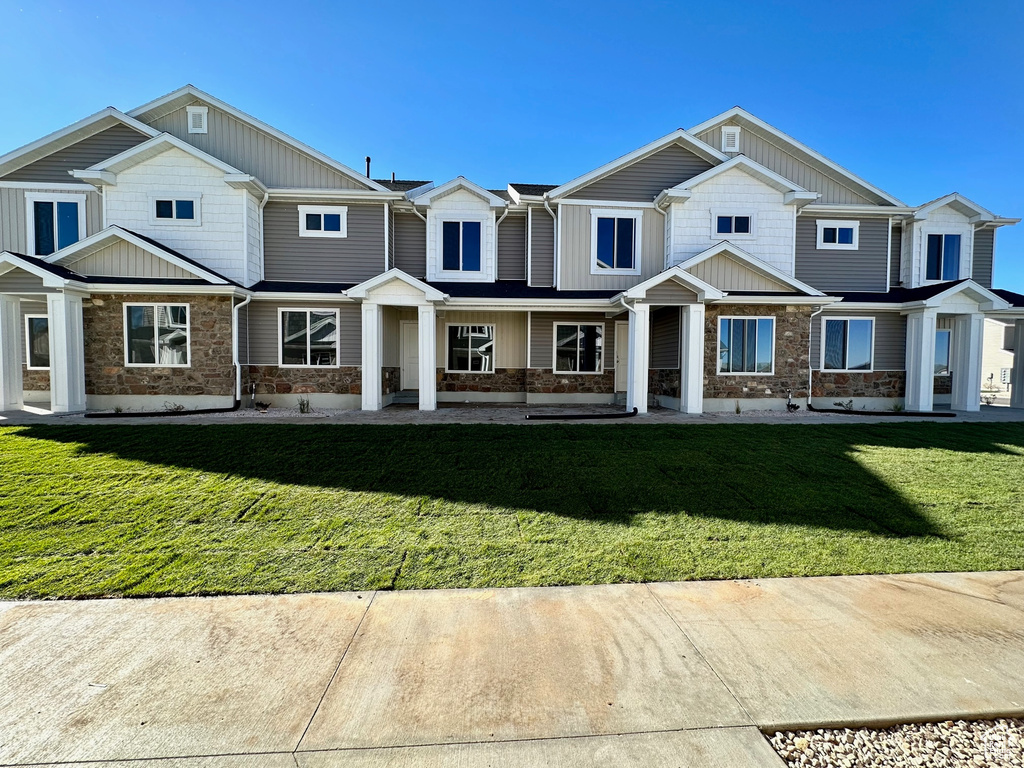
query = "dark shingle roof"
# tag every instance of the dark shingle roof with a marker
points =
(1016, 299)
(400, 185)
(54, 269)
(533, 189)
(897, 295)
(515, 289)
(279, 286)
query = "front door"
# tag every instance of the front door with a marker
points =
(621, 356)
(410, 355)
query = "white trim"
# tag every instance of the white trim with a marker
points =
(730, 138)
(360, 291)
(616, 203)
(732, 213)
(793, 193)
(428, 195)
(197, 209)
(494, 340)
(30, 220)
(888, 256)
(122, 161)
(195, 110)
(754, 263)
(156, 340)
(529, 338)
(280, 336)
(554, 346)
(949, 351)
(981, 214)
(821, 344)
(638, 225)
(387, 236)
(28, 344)
(356, 195)
(53, 187)
(823, 224)
(718, 347)
(705, 291)
(322, 210)
(868, 210)
(529, 246)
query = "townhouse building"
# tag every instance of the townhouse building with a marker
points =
(184, 252)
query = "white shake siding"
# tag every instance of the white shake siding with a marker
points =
(941, 221)
(455, 205)
(254, 239)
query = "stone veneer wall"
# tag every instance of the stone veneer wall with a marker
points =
(35, 380)
(274, 380)
(943, 385)
(390, 380)
(210, 372)
(874, 384)
(664, 382)
(546, 381)
(792, 342)
(502, 380)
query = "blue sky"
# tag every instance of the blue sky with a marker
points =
(920, 98)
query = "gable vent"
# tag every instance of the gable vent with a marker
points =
(197, 117)
(730, 138)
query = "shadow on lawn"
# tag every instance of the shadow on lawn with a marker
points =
(804, 475)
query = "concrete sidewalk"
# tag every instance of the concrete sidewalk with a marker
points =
(628, 675)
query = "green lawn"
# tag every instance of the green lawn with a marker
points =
(169, 509)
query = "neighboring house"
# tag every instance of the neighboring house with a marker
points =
(183, 251)
(997, 358)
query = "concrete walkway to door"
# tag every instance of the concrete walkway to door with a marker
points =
(627, 675)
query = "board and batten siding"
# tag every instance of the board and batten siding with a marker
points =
(727, 274)
(670, 292)
(665, 323)
(574, 250)
(264, 333)
(644, 179)
(542, 336)
(512, 248)
(542, 248)
(984, 253)
(124, 259)
(254, 151)
(20, 281)
(890, 353)
(14, 224)
(411, 244)
(79, 156)
(897, 250)
(864, 269)
(351, 259)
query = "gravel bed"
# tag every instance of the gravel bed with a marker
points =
(976, 744)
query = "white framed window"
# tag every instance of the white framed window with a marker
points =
(197, 119)
(942, 256)
(733, 225)
(848, 344)
(157, 336)
(461, 245)
(308, 338)
(746, 345)
(838, 235)
(730, 138)
(578, 348)
(37, 342)
(323, 221)
(54, 221)
(943, 337)
(615, 241)
(177, 208)
(471, 349)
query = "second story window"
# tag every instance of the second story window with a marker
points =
(943, 257)
(176, 209)
(323, 221)
(54, 222)
(180, 209)
(838, 235)
(616, 242)
(728, 225)
(460, 246)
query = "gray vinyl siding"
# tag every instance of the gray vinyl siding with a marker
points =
(542, 339)
(391, 237)
(13, 223)
(20, 281)
(832, 187)
(644, 179)
(411, 244)
(895, 259)
(542, 248)
(264, 333)
(351, 259)
(840, 270)
(253, 151)
(574, 253)
(890, 352)
(984, 252)
(512, 248)
(243, 334)
(81, 155)
(665, 337)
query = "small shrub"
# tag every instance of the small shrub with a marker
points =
(847, 406)
(304, 406)
(261, 406)
(896, 406)
(174, 407)
(988, 399)
(738, 409)
(118, 409)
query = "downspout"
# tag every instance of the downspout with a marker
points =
(810, 363)
(234, 350)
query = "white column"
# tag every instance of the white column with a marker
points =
(373, 400)
(1017, 373)
(920, 360)
(691, 357)
(639, 356)
(67, 353)
(11, 395)
(428, 358)
(966, 361)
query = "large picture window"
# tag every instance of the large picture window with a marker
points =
(37, 342)
(615, 246)
(460, 246)
(309, 338)
(156, 335)
(942, 347)
(746, 345)
(848, 344)
(579, 348)
(943, 257)
(471, 348)
(55, 221)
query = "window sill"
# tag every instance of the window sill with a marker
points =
(175, 223)
(579, 373)
(847, 370)
(488, 373)
(314, 367)
(830, 247)
(747, 373)
(325, 235)
(595, 271)
(35, 368)
(155, 365)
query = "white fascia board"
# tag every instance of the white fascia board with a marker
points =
(799, 199)
(195, 93)
(671, 196)
(294, 193)
(97, 178)
(679, 136)
(152, 147)
(245, 181)
(783, 299)
(887, 305)
(524, 305)
(705, 291)
(968, 286)
(751, 261)
(50, 280)
(758, 171)
(884, 211)
(980, 214)
(300, 296)
(429, 292)
(158, 289)
(758, 122)
(425, 197)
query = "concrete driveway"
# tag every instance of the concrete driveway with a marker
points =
(629, 675)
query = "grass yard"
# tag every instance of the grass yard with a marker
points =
(172, 510)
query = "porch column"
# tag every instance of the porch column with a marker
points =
(920, 360)
(691, 357)
(10, 354)
(1017, 372)
(427, 332)
(373, 400)
(968, 330)
(639, 357)
(67, 353)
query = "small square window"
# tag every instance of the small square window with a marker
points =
(323, 221)
(734, 225)
(838, 235)
(168, 209)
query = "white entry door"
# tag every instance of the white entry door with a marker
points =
(621, 356)
(410, 355)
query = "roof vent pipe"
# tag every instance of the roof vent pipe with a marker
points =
(367, 166)
(392, 177)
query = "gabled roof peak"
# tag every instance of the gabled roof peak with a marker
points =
(424, 196)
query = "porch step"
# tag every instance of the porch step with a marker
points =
(407, 396)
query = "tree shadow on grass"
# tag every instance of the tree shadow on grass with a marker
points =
(803, 475)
